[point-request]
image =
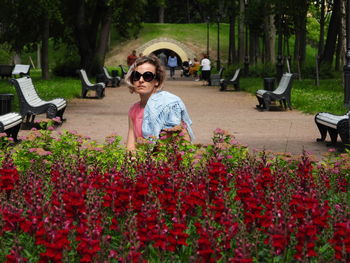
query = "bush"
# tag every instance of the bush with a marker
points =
(67, 68)
(5, 55)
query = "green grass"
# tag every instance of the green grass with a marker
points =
(67, 88)
(306, 96)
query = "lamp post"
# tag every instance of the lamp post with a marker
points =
(347, 65)
(208, 20)
(279, 65)
(246, 57)
(218, 49)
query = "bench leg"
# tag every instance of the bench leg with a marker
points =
(83, 93)
(223, 86)
(261, 103)
(266, 103)
(99, 93)
(333, 134)
(30, 118)
(14, 132)
(323, 132)
(236, 85)
(289, 103)
(343, 130)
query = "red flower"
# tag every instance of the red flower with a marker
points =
(8, 179)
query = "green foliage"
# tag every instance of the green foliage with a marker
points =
(5, 55)
(67, 68)
(306, 96)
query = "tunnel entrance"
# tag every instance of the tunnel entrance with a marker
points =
(167, 45)
(169, 52)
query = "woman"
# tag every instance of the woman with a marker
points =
(157, 110)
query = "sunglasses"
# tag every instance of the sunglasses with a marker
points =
(147, 76)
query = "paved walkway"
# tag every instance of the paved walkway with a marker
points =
(278, 131)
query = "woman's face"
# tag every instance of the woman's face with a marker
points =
(142, 86)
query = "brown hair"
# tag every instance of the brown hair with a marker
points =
(151, 59)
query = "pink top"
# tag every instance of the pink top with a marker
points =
(136, 115)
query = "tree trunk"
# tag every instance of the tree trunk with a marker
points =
(161, 14)
(341, 45)
(232, 43)
(322, 20)
(241, 36)
(333, 31)
(270, 38)
(253, 47)
(300, 32)
(38, 54)
(16, 58)
(87, 34)
(45, 49)
(103, 43)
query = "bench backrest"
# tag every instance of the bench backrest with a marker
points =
(284, 84)
(21, 69)
(27, 90)
(221, 71)
(105, 71)
(84, 78)
(235, 76)
(124, 72)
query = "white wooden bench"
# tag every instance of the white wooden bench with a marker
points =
(86, 85)
(234, 81)
(215, 78)
(31, 104)
(334, 125)
(21, 69)
(282, 94)
(10, 123)
(109, 80)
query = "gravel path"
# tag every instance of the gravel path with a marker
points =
(278, 131)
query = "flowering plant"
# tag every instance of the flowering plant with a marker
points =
(66, 198)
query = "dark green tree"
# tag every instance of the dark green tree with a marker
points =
(26, 23)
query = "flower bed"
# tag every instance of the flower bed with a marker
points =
(66, 198)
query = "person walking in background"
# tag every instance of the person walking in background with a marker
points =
(206, 67)
(172, 63)
(131, 58)
(163, 59)
(157, 110)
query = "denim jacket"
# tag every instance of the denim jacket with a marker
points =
(164, 110)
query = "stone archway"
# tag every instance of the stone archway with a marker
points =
(166, 43)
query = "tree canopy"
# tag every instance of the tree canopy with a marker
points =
(86, 25)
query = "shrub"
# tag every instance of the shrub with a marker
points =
(67, 68)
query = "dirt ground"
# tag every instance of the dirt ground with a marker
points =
(278, 131)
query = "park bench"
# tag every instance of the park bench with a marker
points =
(86, 85)
(10, 123)
(31, 104)
(282, 94)
(234, 81)
(215, 78)
(21, 70)
(109, 80)
(6, 71)
(334, 125)
(123, 71)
